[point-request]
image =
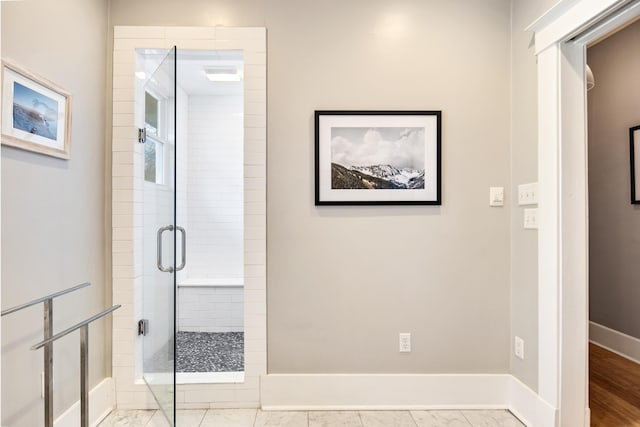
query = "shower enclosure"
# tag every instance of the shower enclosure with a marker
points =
(190, 107)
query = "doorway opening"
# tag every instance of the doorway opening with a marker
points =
(614, 228)
(198, 176)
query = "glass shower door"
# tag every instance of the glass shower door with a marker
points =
(160, 235)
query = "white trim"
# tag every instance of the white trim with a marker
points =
(617, 342)
(530, 408)
(563, 214)
(0, 236)
(566, 19)
(405, 392)
(574, 304)
(102, 400)
(383, 391)
(562, 236)
(610, 25)
(548, 227)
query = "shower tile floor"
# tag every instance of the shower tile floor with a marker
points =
(210, 352)
(258, 418)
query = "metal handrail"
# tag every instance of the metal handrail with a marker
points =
(84, 362)
(48, 350)
(43, 299)
(74, 328)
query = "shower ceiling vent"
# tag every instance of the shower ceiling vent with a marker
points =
(223, 74)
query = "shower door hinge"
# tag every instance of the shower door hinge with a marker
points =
(143, 327)
(142, 135)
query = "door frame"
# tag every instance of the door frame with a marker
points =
(563, 200)
(127, 198)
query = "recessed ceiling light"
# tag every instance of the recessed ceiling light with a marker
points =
(141, 75)
(222, 74)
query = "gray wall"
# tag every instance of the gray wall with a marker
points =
(53, 210)
(614, 223)
(334, 291)
(342, 282)
(524, 156)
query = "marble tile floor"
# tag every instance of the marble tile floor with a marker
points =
(259, 418)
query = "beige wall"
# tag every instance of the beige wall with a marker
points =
(53, 210)
(342, 282)
(614, 223)
(524, 147)
(338, 290)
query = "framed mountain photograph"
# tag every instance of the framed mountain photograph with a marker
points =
(378, 157)
(36, 113)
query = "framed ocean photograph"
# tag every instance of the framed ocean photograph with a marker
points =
(378, 158)
(36, 113)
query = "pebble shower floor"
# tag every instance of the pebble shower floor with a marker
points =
(210, 351)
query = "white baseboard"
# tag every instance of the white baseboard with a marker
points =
(617, 342)
(342, 391)
(403, 392)
(101, 402)
(525, 404)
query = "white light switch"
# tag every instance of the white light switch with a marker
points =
(528, 194)
(496, 196)
(531, 218)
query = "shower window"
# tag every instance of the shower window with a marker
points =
(153, 161)
(154, 148)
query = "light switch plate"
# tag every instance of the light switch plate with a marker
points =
(528, 194)
(496, 196)
(531, 219)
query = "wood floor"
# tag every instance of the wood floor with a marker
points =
(614, 389)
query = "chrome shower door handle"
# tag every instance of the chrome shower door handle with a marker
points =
(159, 236)
(183, 246)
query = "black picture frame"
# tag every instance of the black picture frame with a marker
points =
(378, 157)
(634, 155)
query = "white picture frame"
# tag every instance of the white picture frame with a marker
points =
(36, 113)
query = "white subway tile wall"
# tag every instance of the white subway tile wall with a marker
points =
(127, 199)
(215, 187)
(210, 309)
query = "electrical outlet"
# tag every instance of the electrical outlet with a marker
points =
(519, 347)
(405, 343)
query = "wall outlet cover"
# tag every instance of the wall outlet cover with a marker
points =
(405, 342)
(519, 347)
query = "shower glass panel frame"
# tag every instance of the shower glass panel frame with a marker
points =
(160, 230)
